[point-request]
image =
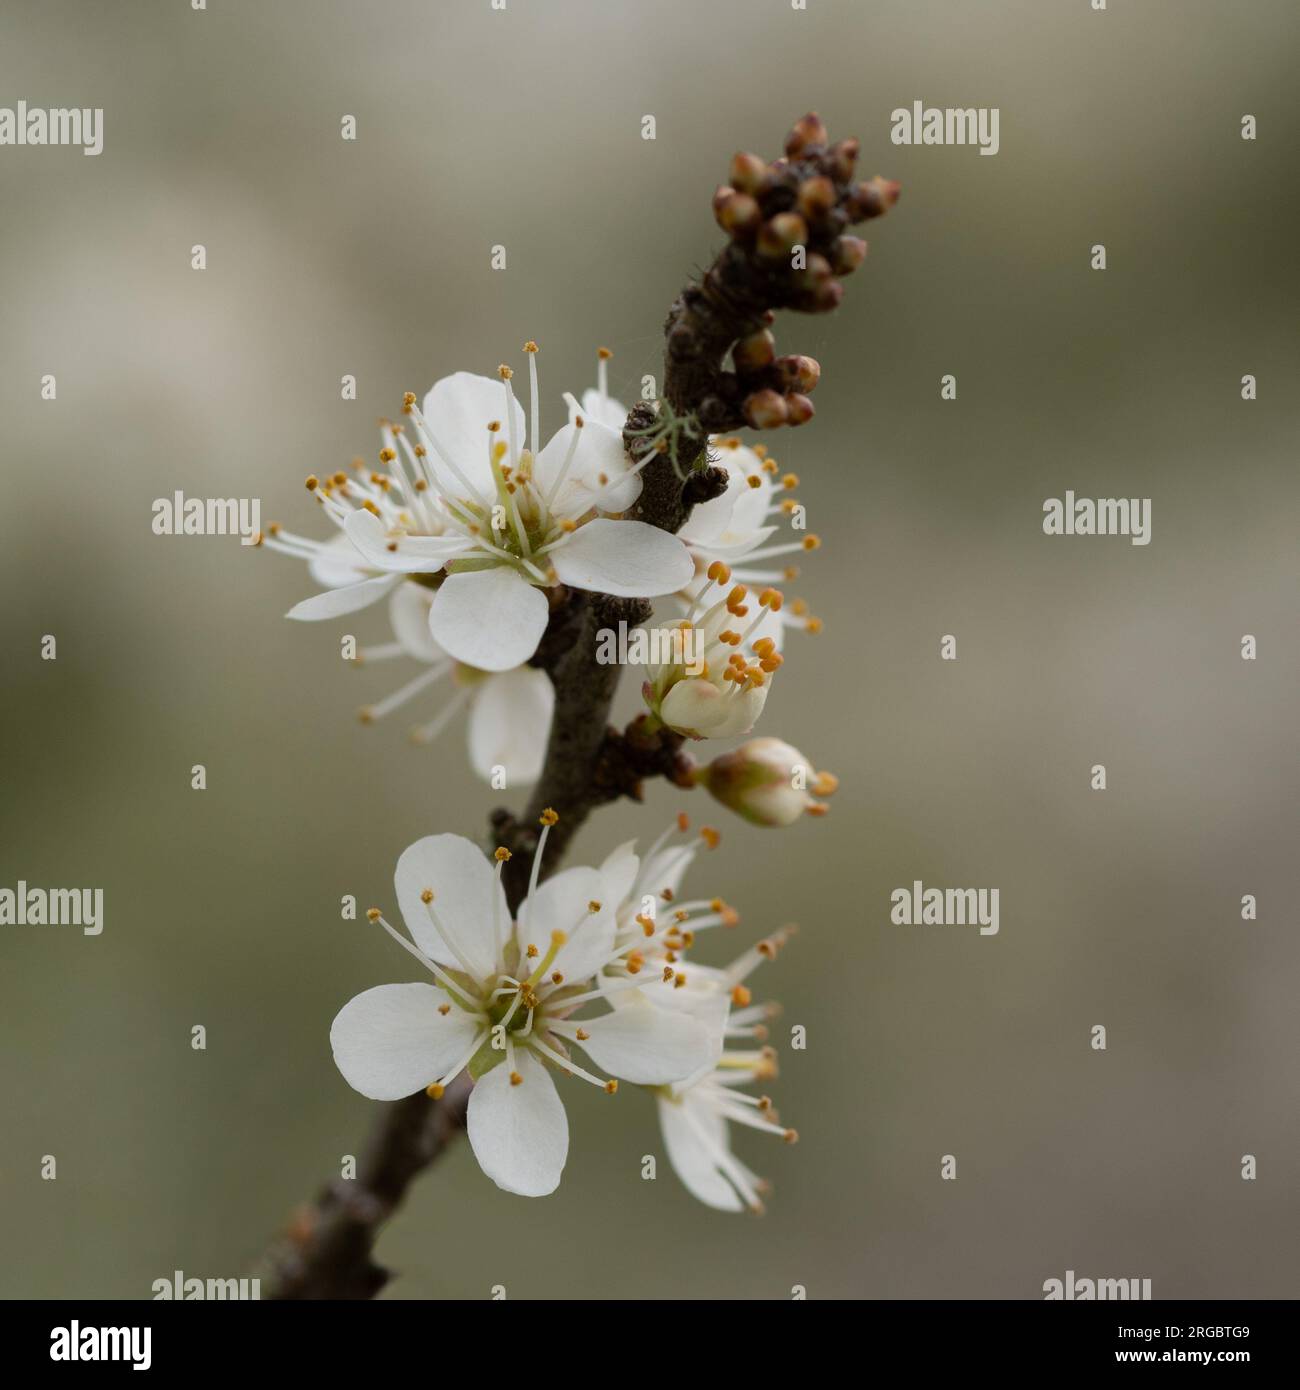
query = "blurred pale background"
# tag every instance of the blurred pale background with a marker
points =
(325, 258)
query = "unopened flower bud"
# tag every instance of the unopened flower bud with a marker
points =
(825, 297)
(817, 269)
(747, 172)
(808, 131)
(737, 214)
(800, 408)
(816, 197)
(766, 409)
(753, 353)
(781, 234)
(842, 160)
(849, 252)
(768, 782)
(873, 198)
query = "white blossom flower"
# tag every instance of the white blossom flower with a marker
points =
(695, 1116)
(503, 1007)
(509, 711)
(471, 497)
(768, 782)
(719, 668)
(655, 930)
(735, 526)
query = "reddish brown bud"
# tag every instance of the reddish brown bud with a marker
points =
(849, 252)
(779, 236)
(817, 268)
(753, 353)
(816, 197)
(766, 409)
(842, 160)
(807, 132)
(747, 172)
(800, 408)
(738, 214)
(825, 297)
(803, 372)
(873, 198)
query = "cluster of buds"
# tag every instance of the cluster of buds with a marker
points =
(788, 223)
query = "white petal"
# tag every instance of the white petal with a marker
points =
(509, 723)
(560, 904)
(337, 563)
(334, 603)
(667, 869)
(608, 411)
(519, 1134)
(627, 558)
(458, 410)
(391, 1041)
(692, 1137)
(697, 707)
(492, 619)
(708, 520)
(599, 455)
(467, 899)
(412, 555)
(646, 1045)
(619, 872)
(408, 611)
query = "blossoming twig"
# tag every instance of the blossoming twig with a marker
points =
(788, 248)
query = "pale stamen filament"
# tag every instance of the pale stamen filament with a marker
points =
(426, 733)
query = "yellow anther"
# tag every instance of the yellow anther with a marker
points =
(709, 835)
(504, 372)
(593, 906)
(811, 542)
(549, 817)
(740, 996)
(373, 914)
(501, 853)
(530, 346)
(426, 896)
(515, 1078)
(435, 1091)
(825, 783)
(531, 952)
(611, 1087)
(754, 480)
(604, 354)
(313, 482)
(387, 455)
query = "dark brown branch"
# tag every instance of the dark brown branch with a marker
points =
(788, 248)
(327, 1251)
